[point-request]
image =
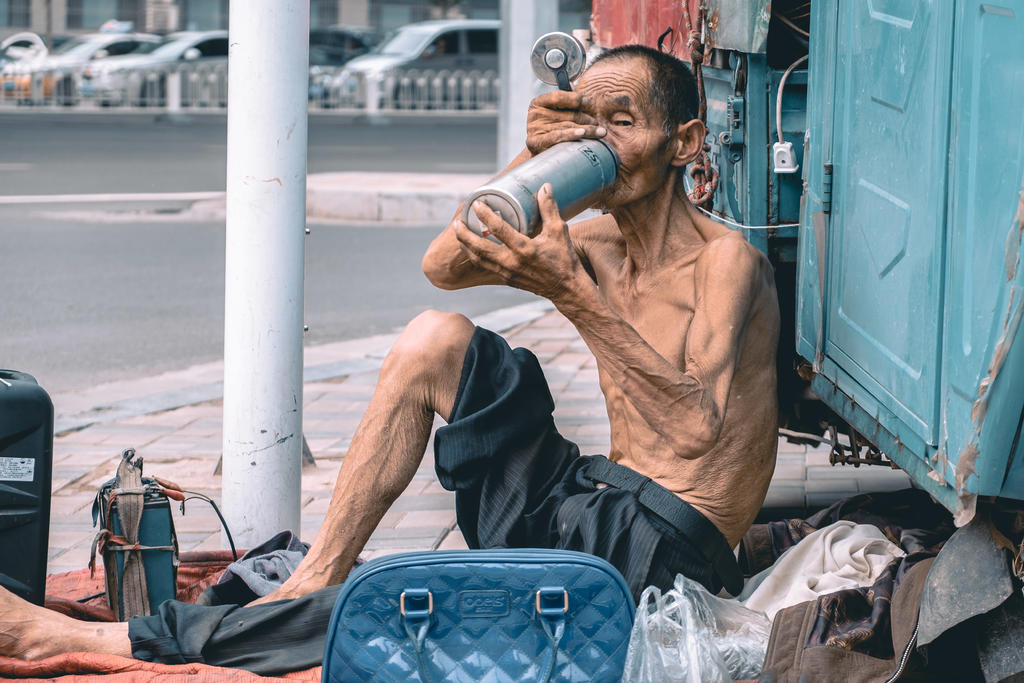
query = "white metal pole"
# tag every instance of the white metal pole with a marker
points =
(266, 207)
(371, 82)
(522, 23)
(174, 92)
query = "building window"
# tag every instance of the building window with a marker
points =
(15, 13)
(204, 15)
(387, 15)
(323, 13)
(90, 14)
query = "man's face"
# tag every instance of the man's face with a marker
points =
(617, 94)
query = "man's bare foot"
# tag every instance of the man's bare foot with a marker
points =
(29, 631)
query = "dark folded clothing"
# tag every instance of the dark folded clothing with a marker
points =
(257, 573)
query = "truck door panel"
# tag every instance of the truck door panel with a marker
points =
(886, 237)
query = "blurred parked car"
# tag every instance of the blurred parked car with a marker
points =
(442, 44)
(140, 77)
(330, 48)
(61, 69)
(447, 45)
(338, 44)
(21, 47)
(57, 41)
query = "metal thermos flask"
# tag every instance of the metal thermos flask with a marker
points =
(578, 171)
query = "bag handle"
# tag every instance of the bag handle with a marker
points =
(552, 608)
(416, 605)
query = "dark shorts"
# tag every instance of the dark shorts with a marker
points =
(518, 483)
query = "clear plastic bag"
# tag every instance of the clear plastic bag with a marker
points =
(689, 635)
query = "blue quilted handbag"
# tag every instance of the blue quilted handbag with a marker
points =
(480, 615)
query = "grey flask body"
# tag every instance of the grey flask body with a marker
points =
(578, 172)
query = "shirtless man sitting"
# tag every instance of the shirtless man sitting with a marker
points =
(682, 316)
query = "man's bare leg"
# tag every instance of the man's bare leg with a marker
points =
(420, 377)
(29, 631)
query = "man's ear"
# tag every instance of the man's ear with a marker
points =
(689, 140)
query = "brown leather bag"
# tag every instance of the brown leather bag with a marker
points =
(794, 656)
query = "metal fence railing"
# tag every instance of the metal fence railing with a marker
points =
(410, 89)
(200, 85)
(205, 86)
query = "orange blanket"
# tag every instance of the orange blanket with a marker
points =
(78, 666)
(196, 571)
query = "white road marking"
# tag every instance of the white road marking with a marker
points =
(110, 197)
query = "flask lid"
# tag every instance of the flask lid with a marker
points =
(554, 52)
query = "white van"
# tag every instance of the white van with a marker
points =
(465, 44)
(446, 45)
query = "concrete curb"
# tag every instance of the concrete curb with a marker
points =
(350, 198)
(392, 198)
(202, 383)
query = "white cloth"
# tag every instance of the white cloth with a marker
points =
(839, 556)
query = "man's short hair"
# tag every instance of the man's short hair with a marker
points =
(673, 89)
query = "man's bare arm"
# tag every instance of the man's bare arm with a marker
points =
(445, 263)
(686, 406)
(553, 117)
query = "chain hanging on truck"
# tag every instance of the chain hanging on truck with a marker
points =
(858, 451)
(704, 174)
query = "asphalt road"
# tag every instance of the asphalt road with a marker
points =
(68, 153)
(84, 302)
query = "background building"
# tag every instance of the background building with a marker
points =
(68, 17)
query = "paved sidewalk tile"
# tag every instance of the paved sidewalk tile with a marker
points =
(785, 495)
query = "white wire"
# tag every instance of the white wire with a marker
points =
(734, 224)
(723, 219)
(778, 99)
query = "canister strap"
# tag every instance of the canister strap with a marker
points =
(134, 593)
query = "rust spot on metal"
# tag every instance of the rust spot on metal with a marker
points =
(1011, 321)
(712, 25)
(940, 465)
(1013, 240)
(964, 469)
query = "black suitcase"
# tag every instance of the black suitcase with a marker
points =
(26, 458)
